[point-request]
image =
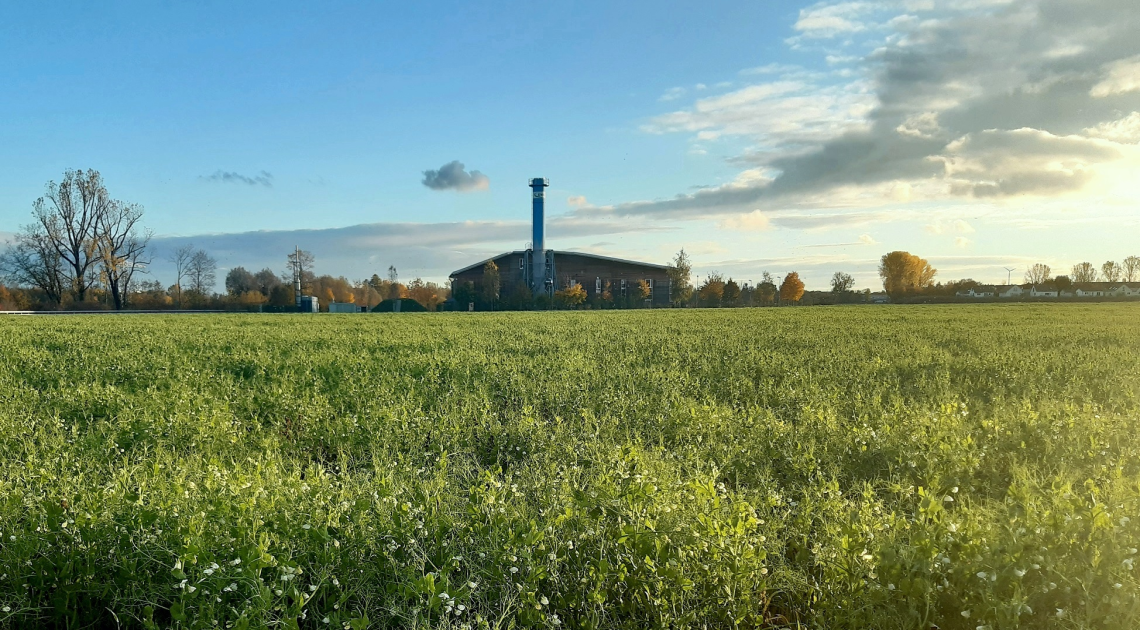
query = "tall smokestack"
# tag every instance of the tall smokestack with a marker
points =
(538, 240)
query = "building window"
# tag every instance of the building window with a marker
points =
(597, 286)
(650, 283)
(522, 263)
(623, 287)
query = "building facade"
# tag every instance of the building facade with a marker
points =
(599, 276)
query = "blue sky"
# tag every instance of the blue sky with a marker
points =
(759, 135)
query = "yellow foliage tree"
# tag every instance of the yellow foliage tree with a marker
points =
(642, 291)
(570, 297)
(792, 288)
(903, 272)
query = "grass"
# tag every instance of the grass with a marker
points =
(968, 466)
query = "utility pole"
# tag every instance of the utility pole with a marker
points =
(1009, 273)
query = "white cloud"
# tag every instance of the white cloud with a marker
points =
(1120, 77)
(829, 20)
(778, 113)
(577, 201)
(1125, 130)
(1023, 161)
(867, 239)
(961, 242)
(924, 126)
(770, 68)
(754, 221)
(673, 94)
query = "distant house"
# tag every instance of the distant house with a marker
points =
(1043, 291)
(1124, 289)
(1090, 289)
(880, 298)
(1010, 291)
(980, 291)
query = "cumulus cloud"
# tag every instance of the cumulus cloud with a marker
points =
(990, 99)
(1125, 130)
(263, 178)
(1004, 163)
(454, 176)
(576, 201)
(1121, 77)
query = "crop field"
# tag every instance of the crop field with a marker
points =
(967, 466)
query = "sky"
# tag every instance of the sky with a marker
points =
(758, 135)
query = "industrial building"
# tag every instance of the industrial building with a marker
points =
(544, 271)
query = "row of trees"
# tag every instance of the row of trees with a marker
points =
(1110, 271)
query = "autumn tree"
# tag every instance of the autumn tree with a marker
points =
(1084, 272)
(792, 288)
(1130, 270)
(1111, 271)
(731, 293)
(1038, 274)
(121, 242)
(641, 291)
(842, 282)
(711, 293)
(903, 272)
(428, 294)
(570, 297)
(680, 278)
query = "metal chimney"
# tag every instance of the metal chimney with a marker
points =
(538, 246)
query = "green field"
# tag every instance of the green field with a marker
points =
(972, 466)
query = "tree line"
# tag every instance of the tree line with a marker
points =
(1110, 271)
(84, 250)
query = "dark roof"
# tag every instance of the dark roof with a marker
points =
(483, 262)
(564, 253)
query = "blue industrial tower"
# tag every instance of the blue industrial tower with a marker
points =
(539, 275)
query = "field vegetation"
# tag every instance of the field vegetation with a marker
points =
(965, 467)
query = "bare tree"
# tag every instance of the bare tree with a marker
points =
(121, 247)
(68, 217)
(301, 262)
(1132, 269)
(1084, 272)
(202, 272)
(841, 282)
(33, 261)
(1038, 274)
(1111, 271)
(181, 259)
